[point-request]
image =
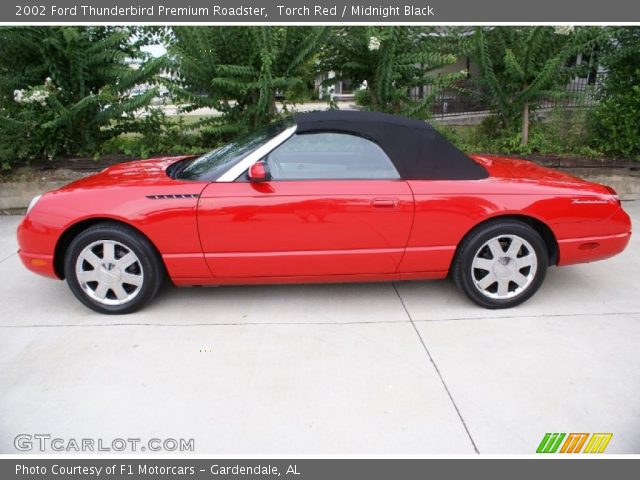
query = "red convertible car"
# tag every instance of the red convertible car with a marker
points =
(320, 197)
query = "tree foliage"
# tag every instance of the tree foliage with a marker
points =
(68, 90)
(520, 67)
(65, 90)
(239, 71)
(391, 61)
(616, 119)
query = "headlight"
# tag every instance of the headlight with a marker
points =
(33, 202)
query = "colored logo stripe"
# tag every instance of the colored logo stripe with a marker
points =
(574, 443)
(598, 442)
(550, 442)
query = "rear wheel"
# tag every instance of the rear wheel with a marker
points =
(501, 264)
(113, 269)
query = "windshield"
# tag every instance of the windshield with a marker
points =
(212, 165)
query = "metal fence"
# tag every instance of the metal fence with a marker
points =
(467, 98)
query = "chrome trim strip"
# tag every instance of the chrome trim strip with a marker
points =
(235, 171)
(173, 196)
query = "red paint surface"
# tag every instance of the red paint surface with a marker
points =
(323, 231)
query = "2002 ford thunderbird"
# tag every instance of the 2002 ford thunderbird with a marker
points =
(320, 197)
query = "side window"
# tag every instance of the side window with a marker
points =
(330, 156)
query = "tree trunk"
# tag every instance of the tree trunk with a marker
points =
(525, 123)
(373, 97)
(273, 108)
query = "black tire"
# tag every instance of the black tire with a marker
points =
(148, 266)
(469, 279)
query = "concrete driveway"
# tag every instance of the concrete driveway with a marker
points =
(408, 368)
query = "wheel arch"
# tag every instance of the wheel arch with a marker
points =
(73, 230)
(538, 225)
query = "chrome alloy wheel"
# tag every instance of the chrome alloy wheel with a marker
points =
(109, 272)
(504, 267)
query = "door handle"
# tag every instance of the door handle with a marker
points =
(385, 202)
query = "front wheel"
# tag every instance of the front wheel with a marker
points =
(113, 269)
(500, 264)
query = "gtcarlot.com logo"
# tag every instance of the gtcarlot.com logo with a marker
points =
(44, 442)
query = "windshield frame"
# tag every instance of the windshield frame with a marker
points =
(239, 165)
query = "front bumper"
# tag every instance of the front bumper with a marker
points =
(36, 245)
(38, 263)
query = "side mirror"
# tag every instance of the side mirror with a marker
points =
(259, 172)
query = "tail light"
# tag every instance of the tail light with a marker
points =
(614, 194)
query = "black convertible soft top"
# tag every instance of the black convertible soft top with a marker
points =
(418, 151)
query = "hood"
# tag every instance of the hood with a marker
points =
(138, 172)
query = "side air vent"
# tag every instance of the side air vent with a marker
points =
(176, 196)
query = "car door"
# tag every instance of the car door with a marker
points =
(335, 205)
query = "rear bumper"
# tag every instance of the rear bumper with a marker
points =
(38, 263)
(590, 249)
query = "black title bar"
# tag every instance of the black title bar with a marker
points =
(317, 469)
(319, 11)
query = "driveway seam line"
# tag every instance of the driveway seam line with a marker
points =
(549, 315)
(7, 258)
(444, 384)
(225, 324)
(243, 324)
